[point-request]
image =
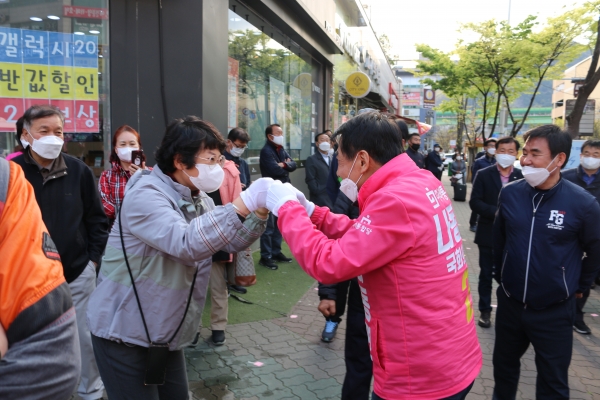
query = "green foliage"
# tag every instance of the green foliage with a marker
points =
(386, 46)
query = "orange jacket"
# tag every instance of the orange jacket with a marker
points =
(33, 291)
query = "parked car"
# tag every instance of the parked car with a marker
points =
(448, 158)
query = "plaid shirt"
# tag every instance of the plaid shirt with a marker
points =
(112, 189)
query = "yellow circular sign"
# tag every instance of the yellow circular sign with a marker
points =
(358, 84)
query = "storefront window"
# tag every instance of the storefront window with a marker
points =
(272, 80)
(56, 52)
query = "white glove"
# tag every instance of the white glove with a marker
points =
(255, 196)
(278, 195)
(309, 206)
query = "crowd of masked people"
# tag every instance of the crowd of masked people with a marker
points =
(103, 286)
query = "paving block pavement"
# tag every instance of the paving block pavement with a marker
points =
(295, 364)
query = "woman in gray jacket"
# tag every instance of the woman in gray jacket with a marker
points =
(163, 240)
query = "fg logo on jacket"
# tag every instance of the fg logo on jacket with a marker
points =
(557, 217)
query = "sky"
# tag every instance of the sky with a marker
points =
(435, 22)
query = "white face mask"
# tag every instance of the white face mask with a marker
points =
(278, 140)
(590, 163)
(505, 160)
(324, 146)
(236, 151)
(491, 151)
(47, 147)
(458, 158)
(209, 179)
(330, 152)
(24, 142)
(124, 153)
(348, 187)
(537, 176)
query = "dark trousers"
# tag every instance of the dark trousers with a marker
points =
(579, 304)
(473, 219)
(122, 369)
(270, 241)
(486, 267)
(341, 294)
(462, 395)
(549, 330)
(359, 367)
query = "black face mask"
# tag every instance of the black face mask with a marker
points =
(415, 146)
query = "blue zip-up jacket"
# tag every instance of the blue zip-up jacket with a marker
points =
(270, 156)
(539, 240)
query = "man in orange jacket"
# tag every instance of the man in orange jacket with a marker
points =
(39, 345)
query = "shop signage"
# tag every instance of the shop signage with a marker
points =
(428, 98)
(358, 52)
(393, 99)
(39, 67)
(358, 84)
(85, 12)
(411, 99)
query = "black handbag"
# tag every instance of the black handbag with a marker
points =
(158, 353)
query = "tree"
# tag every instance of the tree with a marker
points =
(386, 46)
(587, 14)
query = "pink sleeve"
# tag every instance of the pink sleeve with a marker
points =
(332, 225)
(382, 233)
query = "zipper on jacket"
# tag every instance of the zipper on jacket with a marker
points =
(565, 281)
(502, 273)
(535, 208)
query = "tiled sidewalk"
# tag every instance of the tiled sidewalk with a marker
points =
(285, 359)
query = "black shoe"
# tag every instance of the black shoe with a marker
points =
(195, 341)
(239, 289)
(218, 337)
(581, 327)
(267, 262)
(281, 258)
(473, 228)
(329, 331)
(484, 319)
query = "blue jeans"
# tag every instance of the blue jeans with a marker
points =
(270, 241)
(462, 395)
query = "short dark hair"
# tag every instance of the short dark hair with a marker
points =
(269, 130)
(558, 140)
(488, 141)
(322, 133)
(508, 139)
(373, 133)
(403, 129)
(19, 126)
(184, 137)
(238, 134)
(590, 143)
(41, 111)
(412, 135)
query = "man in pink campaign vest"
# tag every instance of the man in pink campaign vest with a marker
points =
(406, 250)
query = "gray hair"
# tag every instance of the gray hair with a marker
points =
(41, 111)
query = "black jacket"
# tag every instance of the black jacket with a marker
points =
(72, 211)
(575, 175)
(539, 241)
(242, 165)
(270, 156)
(433, 162)
(484, 201)
(317, 173)
(481, 163)
(417, 157)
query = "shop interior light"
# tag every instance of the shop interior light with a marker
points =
(78, 33)
(100, 56)
(95, 32)
(54, 17)
(36, 19)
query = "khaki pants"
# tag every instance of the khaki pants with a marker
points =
(220, 275)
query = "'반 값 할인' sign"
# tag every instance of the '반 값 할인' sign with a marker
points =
(40, 67)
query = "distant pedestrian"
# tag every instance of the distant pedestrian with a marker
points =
(67, 195)
(275, 163)
(482, 160)
(484, 202)
(435, 162)
(587, 176)
(237, 143)
(543, 227)
(414, 144)
(317, 171)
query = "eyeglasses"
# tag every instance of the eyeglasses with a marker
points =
(213, 161)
